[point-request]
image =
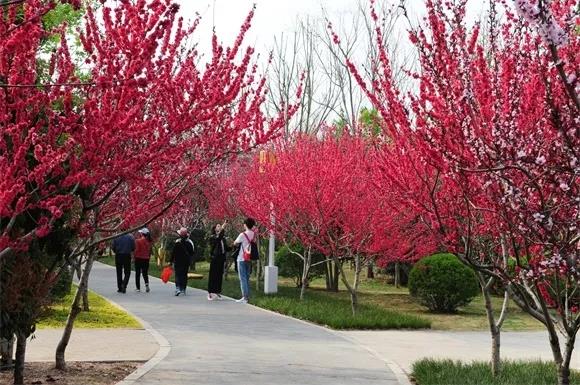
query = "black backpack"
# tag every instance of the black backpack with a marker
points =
(254, 253)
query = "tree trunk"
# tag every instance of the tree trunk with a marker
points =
(370, 270)
(74, 311)
(353, 301)
(258, 275)
(351, 289)
(564, 368)
(494, 327)
(6, 352)
(554, 342)
(564, 375)
(20, 359)
(78, 267)
(495, 351)
(336, 275)
(397, 274)
(494, 330)
(86, 300)
(305, 273)
(332, 275)
(327, 275)
(303, 287)
(228, 265)
(357, 272)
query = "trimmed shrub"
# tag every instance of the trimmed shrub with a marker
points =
(442, 283)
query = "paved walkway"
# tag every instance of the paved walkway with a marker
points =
(406, 347)
(94, 345)
(223, 342)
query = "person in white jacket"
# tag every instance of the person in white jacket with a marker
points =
(244, 264)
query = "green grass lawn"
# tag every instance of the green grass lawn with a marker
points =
(102, 314)
(447, 372)
(382, 306)
(471, 317)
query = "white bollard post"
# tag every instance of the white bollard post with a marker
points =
(271, 271)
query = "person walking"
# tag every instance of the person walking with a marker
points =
(123, 246)
(141, 256)
(245, 265)
(217, 251)
(181, 258)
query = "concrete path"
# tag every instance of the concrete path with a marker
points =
(406, 347)
(223, 342)
(94, 345)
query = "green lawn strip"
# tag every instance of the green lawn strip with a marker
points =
(336, 313)
(448, 372)
(380, 292)
(321, 307)
(102, 314)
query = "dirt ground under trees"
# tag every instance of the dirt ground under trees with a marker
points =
(77, 373)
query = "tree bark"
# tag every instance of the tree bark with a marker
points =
(397, 275)
(6, 352)
(554, 341)
(494, 325)
(20, 359)
(228, 265)
(564, 368)
(75, 309)
(258, 275)
(305, 273)
(370, 271)
(332, 275)
(495, 351)
(86, 300)
(327, 275)
(336, 275)
(352, 289)
(494, 330)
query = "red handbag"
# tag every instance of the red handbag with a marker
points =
(166, 274)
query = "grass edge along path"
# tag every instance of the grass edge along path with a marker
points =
(336, 313)
(317, 307)
(448, 372)
(102, 314)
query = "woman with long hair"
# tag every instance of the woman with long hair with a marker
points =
(217, 251)
(244, 264)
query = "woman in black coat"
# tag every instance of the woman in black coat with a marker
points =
(181, 258)
(218, 249)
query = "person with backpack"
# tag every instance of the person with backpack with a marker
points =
(141, 258)
(123, 246)
(217, 251)
(181, 258)
(245, 240)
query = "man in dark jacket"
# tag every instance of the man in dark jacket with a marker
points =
(123, 246)
(181, 257)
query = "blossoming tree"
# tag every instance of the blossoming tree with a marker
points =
(107, 147)
(498, 119)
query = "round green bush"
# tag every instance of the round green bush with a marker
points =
(442, 283)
